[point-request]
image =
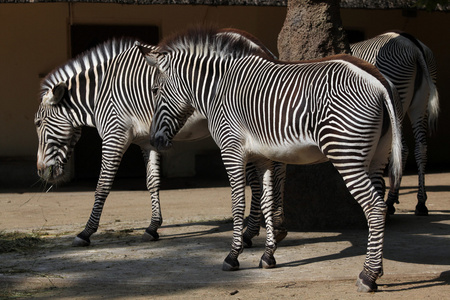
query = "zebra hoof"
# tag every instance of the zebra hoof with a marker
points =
(150, 236)
(267, 261)
(421, 210)
(80, 242)
(230, 264)
(280, 234)
(365, 284)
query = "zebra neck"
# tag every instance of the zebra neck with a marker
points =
(82, 114)
(208, 81)
(81, 108)
(84, 90)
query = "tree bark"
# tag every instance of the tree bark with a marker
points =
(315, 195)
(312, 29)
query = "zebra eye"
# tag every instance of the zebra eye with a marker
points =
(154, 90)
(38, 123)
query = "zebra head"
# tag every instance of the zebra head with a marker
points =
(56, 133)
(68, 96)
(170, 116)
(189, 66)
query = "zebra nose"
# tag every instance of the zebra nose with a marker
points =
(42, 169)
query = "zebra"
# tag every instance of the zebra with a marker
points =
(260, 110)
(70, 99)
(108, 87)
(411, 67)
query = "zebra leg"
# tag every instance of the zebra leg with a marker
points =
(254, 219)
(234, 165)
(152, 159)
(378, 182)
(267, 206)
(111, 157)
(361, 188)
(420, 152)
(375, 210)
(418, 114)
(279, 178)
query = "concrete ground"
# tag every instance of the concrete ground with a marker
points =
(195, 238)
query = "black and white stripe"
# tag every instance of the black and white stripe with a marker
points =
(67, 103)
(110, 88)
(261, 110)
(411, 67)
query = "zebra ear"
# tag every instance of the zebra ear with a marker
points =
(54, 96)
(153, 57)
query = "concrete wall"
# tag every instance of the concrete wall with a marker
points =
(35, 38)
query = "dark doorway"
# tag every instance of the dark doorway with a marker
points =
(87, 153)
(355, 36)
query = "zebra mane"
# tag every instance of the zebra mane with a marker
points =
(212, 41)
(89, 59)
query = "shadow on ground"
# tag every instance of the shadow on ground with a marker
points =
(189, 257)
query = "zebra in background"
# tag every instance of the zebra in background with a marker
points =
(109, 87)
(258, 109)
(411, 67)
(69, 101)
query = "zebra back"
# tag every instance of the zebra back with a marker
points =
(395, 53)
(91, 65)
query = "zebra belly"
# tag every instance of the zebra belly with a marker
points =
(196, 128)
(295, 154)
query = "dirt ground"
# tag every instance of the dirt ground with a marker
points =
(195, 238)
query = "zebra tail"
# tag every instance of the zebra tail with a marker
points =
(433, 97)
(433, 105)
(433, 109)
(394, 108)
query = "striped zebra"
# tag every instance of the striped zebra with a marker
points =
(109, 87)
(260, 110)
(411, 67)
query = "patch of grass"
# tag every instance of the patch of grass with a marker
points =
(15, 294)
(19, 241)
(9, 292)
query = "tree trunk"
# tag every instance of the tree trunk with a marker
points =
(312, 29)
(316, 196)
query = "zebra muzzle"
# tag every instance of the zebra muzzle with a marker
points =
(51, 173)
(46, 173)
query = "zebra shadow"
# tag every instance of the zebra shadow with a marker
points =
(443, 279)
(433, 188)
(214, 226)
(408, 239)
(116, 238)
